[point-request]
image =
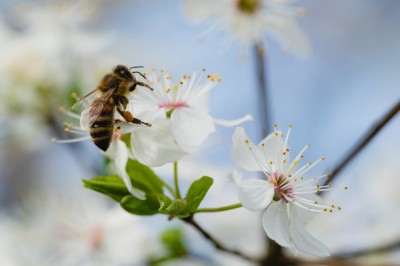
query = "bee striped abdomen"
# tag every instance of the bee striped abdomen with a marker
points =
(102, 129)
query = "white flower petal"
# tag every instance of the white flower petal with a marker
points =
(291, 36)
(272, 149)
(302, 240)
(233, 123)
(254, 194)
(276, 223)
(245, 154)
(191, 127)
(118, 152)
(155, 146)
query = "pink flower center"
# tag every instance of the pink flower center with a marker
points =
(175, 105)
(283, 187)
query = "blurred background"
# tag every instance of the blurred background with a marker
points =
(50, 49)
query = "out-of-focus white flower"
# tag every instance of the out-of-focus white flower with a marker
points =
(250, 20)
(105, 237)
(64, 231)
(53, 52)
(179, 115)
(288, 199)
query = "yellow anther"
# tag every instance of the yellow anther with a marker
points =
(214, 77)
(275, 125)
(323, 158)
(276, 134)
(290, 126)
(204, 70)
(246, 141)
(262, 145)
(346, 188)
(168, 90)
(176, 87)
(270, 162)
(339, 208)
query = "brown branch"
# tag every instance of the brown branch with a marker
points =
(363, 142)
(215, 242)
(358, 253)
(264, 110)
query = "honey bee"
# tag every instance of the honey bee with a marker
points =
(111, 95)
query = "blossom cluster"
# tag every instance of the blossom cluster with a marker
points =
(179, 119)
(48, 49)
(180, 122)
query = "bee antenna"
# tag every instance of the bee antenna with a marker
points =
(137, 67)
(137, 72)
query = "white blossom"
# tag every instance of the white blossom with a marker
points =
(179, 114)
(248, 21)
(58, 229)
(286, 197)
(53, 52)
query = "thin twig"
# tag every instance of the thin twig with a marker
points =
(364, 141)
(358, 253)
(215, 242)
(264, 112)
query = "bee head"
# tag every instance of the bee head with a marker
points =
(123, 72)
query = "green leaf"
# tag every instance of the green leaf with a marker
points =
(136, 206)
(111, 186)
(173, 242)
(197, 192)
(175, 207)
(143, 177)
(178, 208)
(174, 245)
(164, 201)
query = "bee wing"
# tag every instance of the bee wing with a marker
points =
(87, 100)
(90, 114)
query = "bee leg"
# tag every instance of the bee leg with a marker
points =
(143, 84)
(124, 101)
(129, 118)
